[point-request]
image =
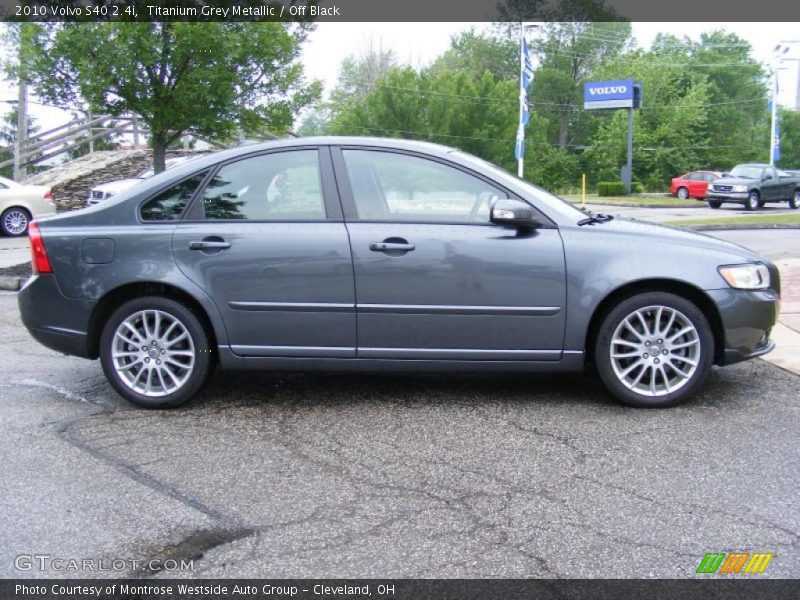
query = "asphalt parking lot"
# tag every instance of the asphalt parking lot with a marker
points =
(289, 475)
(371, 476)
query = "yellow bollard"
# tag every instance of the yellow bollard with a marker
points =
(583, 190)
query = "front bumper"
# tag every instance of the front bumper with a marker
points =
(740, 197)
(747, 320)
(55, 321)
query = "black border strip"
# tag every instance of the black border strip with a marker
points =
(711, 11)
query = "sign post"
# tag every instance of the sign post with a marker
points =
(619, 93)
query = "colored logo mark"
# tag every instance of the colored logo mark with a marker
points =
(729, 563)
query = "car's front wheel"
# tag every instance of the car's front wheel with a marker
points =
(14, 222)
(753, 201)
(154, 352)
(683, 193)
(654, 350)
(714, 204)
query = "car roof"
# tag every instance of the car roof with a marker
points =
(214, 158)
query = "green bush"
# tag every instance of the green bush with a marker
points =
(617, 188)
(610, 188)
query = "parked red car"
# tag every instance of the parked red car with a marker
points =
(693, 184)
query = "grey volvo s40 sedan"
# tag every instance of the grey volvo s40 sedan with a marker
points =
(384, 255)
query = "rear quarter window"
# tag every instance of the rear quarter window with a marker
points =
(170, 204)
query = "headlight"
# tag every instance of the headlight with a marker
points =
(746, 277)
(740, 188)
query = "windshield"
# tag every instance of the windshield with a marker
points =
(534, 190)
(746, 172)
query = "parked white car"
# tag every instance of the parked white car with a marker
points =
(104, 191)
(19, 204)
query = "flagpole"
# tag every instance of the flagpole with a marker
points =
(774, 120)
(521, 130)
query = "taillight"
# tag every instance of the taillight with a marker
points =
(48, 195)
(40, 262)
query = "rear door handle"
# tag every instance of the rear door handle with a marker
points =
(391, 247)
(218, 244)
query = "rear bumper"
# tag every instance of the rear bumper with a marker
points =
(747, 320)
(55, 321)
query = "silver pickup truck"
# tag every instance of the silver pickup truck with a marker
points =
(753, 185)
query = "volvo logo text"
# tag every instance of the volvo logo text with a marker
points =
(603, 91)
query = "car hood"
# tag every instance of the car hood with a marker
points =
(116, 186)
(668, 235)
(733, 181)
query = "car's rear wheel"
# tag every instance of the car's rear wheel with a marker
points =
(714, 204)
(794, 201)
(753, 201)
(154, 352)
(14, 221)
(654, 350)
(683, 193)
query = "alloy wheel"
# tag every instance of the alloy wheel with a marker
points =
(655, 350)
(15, 222)
(153, 353)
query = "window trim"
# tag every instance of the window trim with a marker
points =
(195, 213)
(348, 199)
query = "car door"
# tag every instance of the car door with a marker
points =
(266, 240)
(697, 185)
(707, 179)
(767, 185)
(434, 278)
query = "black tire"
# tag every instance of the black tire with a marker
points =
(753, 201)
(195, 377)
(714, 204)
(688, 385)
(794, 201)
(14, 221)
(682, 193)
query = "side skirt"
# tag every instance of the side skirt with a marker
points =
(571, 361)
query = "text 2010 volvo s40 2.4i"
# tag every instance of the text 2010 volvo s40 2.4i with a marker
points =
(384, 255)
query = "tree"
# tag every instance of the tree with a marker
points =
(790, 139)
(358, 75)
(208, 79)
(474, 112)
(475, 53)
(8, 137)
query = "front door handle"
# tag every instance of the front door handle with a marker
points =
(393, 246)
(390, 246)
(210, 243)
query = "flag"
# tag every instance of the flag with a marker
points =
(527, 66)
(775, 145)
(525, 80)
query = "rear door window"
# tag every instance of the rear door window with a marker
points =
(280, 186)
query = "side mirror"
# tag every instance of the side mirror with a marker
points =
(766, 176)
(512, 213)
(724, 174)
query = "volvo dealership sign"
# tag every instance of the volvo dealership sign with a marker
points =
(622, 93)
